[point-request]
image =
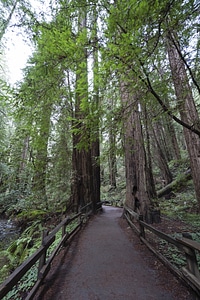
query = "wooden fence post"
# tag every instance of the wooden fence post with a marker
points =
(64, 229)
(80, 217)
(191, 259)
(42, 259)
(64, 233)
(142, 232)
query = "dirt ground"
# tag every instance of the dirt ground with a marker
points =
(106, 261)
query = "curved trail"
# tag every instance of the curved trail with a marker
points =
(103, 264)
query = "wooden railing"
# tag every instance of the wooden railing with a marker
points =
(41, 254)
(187, 247)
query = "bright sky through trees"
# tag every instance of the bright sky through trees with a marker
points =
(16, 55)
(17, 46)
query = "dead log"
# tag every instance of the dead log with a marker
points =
(175, 185)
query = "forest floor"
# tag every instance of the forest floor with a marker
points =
(108, 261)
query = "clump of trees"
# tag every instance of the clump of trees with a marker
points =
(106, 80)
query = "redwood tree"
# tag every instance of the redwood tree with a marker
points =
(137, 195)
(186, 106)
(85, 157)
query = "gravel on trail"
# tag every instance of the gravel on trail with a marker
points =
(107, 261)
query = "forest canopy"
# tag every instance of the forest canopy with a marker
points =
(109, 97)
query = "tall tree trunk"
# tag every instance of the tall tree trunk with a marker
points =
(96, 173)
(112, 158)
(137, 195)
(82, 182)
(151, 183)
(162, 133)
(95, 148)
(76, 182)
(130, 164)
(162, 160)
(22, 173)
(172, 142)
(187, 108)
(41, 160)
(24, 156)
(174, 146)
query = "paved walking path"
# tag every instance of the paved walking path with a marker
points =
(105, 265)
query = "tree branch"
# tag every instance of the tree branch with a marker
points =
(184, 60)
(148, 84)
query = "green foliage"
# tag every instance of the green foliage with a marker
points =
(131, 47)
(25, 284)
(172, 254)
(26, 244)
(31, 215)
(176, 257)
(117, 195)
(183, 207)
(8, 202)
(36, 157)
(178, 167)
(69, 228)
(4, 265)
(22, 248)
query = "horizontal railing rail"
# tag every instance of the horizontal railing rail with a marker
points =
(40, 255)
(190, 273)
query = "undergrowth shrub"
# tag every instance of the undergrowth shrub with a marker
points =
(21, 249)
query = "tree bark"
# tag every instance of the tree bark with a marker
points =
(162, 161)
(95, 147)
(151, 183)
(187, 109)
(84, 184)
(112, 159)
(137, 196)
(41, 160)
(176, 154)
